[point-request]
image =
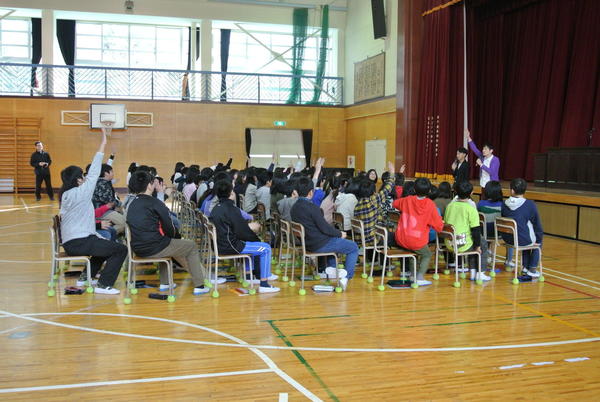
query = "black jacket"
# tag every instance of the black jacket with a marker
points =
(147, 217)
(232, 230)
(317, 231)
(38, 157)
(462, 172)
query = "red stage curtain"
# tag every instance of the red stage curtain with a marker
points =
(440, 104)
(534, 78)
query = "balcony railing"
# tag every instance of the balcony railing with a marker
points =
(155, 84)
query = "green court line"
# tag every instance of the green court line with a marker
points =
(492, 305)
(499, 319)
(316, 333)
(310, 318)
(302, 360)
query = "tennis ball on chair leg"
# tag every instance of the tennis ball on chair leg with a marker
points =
(214, 294)
(364, 275)
(541, 278)
(171, 298)
(291, 284)
(278, 271)
(133, 291)
(493, 273)
(89, 289)
(436, 277)
(456, 284)
(515, 281)
(389, 274)
(446, 272)
(127, 300)
(302, 292)
(381, 288)
(51, 292)
(370, 279)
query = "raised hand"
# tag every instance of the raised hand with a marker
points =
(391, 167)
(403, 168)
(468, 133)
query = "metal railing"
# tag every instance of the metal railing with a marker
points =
(156, 84)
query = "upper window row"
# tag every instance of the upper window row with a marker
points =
(254, 48)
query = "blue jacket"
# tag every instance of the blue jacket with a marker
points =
(529, 225)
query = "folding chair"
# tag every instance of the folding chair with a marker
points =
(133, 260)
(448, 233)
(215, 258)
(490, 242)
(392, 218)
(338, 221)
(509, 226)
(358, 236)
(298, 236)
(285, 233)
(380, 246)
(58, 256)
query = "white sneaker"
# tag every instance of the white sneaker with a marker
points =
(461, 270)
(331, 272)
(268, 289)
(82, 283)
(533, 274)
(162, 287)
(107, 290)
(344, 283)
(423, 282)
(510, 264)
(273, 277)
(201, 290)
(220, 280)
(484, 277)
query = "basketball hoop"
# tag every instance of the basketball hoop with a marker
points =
(107, 124)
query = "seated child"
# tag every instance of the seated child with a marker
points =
(490, 206)
(418, 215)
(529, 225)
(235, 236)
(321, 237)
(465, 220)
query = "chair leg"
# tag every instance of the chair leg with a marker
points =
(385, 260)
(171, 297)
(478, 279)
(515, 280)
(292, 282)
(541, 277)
(338, 287)
(251, 264)
(89, 288)
(370, 278)
(302, 291)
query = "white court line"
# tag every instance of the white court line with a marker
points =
(581, 278)
(133, 381)
(24, 208)
(25, 262)
(240, 343)
(283, 397)
(24, 204)
(572, 281)
(269, 347)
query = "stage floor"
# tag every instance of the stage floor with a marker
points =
(494, 341)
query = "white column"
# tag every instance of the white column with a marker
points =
(193, 54)
(206, 56)
(48, 35)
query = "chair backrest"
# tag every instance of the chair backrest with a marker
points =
(506, 225)
(380, 239)
(358, 231)
(297, 231)
(211, 230)
(483, 224)
(338, 220)
(393, 217)
(128, 241)
(448, 233)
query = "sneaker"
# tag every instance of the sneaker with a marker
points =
(484, 277)
(531, 272)
(108, 290)
(82, 282)
(331, 272)
(268, 289)
(509, 264)
(322, 275)
(200, 290)
(461, 270)
(162, 287)
(344, 283)
(423, 282)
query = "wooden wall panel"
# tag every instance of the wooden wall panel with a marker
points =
(188, 132)
(558, 219)
(589, 223)
(371, 121)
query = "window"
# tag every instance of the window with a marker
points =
(131, 45)
(15, 40)
(247, 55)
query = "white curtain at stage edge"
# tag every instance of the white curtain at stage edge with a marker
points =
(283, 146)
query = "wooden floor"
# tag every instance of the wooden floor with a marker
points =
(496, 341)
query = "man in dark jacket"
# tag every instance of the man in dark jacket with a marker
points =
(234, 235)
(41, 161)
(104, 193)
(321, 237)
(460, 167)
(153, 234)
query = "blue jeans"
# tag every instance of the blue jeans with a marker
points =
(108, 234)
(531, 258)
(342, 246)
(263, 251)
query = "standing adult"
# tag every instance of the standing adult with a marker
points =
(40, 161)
(488, 163)
(460, 167)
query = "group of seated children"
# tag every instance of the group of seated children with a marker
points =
(307, 197)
